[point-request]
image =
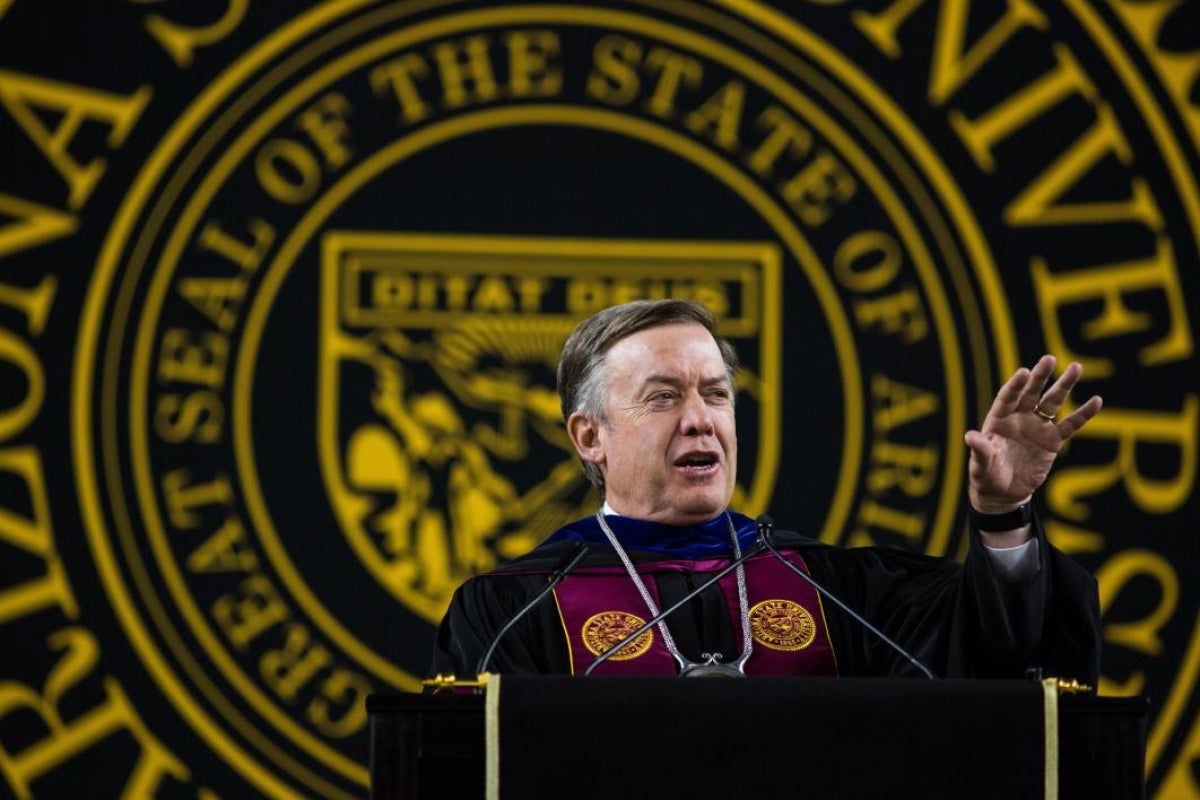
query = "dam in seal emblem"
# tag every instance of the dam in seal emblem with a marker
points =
(319, 351)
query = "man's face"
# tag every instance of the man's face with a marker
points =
(668, 449)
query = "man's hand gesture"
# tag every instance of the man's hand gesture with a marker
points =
(1012, 452)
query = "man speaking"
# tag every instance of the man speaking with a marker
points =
(647, 392)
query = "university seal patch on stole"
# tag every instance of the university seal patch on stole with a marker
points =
(782, 625)
(604, 630)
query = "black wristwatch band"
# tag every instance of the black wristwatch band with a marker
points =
(1019, 517)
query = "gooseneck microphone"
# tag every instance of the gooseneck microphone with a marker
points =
(758, 548)
(568, 562)
(766, 527)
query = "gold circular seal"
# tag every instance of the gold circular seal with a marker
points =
(782, 625)
(602, 631)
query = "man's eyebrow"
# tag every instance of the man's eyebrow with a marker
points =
(675, 380)
(670, 380)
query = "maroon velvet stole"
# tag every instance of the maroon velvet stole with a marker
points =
(599, 606)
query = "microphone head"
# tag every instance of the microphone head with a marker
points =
(764, 525)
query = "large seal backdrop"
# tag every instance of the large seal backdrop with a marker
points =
(283, 289)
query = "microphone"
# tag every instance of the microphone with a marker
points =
(568, 562)
(671, 609)
(766, 526)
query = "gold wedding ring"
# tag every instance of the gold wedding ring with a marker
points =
(1037, 409)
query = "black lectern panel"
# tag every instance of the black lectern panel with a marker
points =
(639, 737)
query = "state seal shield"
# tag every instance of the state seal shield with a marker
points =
(440, 434)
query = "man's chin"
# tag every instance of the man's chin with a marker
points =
(699, 509)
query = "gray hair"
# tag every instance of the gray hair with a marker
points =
(581, 385)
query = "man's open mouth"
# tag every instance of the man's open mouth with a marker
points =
(698, 462)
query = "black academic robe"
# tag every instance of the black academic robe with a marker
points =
(961, 620)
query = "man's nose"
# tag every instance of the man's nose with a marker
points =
(697, 416)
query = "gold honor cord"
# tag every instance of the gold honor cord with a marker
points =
(1050, 688)
(491, 733)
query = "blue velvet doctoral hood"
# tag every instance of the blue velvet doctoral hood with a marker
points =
(706, 540)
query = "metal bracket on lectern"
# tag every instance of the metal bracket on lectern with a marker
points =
(448, 682)
(1072, 686)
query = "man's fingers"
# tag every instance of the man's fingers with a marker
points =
(1031, 393)
(1010, 393)
(1080, 416)
(1053, 398)
(982, 452)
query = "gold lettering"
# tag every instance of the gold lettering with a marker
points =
(250, 610)
(1143, 635)
(288, 669)
(952, 67)
(327, 128)
(348, 690)
(183, 497)
(784, 135)
(224, 551)
(531, 290)
(400, 75)
(614, 79)
(392, 291)
(287, 171)
(1017, 111)
(818, 188)
(182, 41)
(216, 298)
(1108, 283)
(710, 294)
(34, 535)
(623, 291)
(532, 72)
(33, 303)
(66, 739)
(427, 291)
(880, 29)
(183, 359)
(17, 351)
(674, 70)
(31, 225)
(895, 404)
(1129, 430)
(50, 590)
(493, 295)
(591, 294)
(1038, 205)
(465, 63)
(720, 116)
(73, 105)
(874, 515)
(910, 468)
(858, 273)
(197, 416)
(901, 313)
(1071, 539)
(457, 289)
(586, 295)
(247, 255)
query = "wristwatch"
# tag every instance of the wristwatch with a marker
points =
(1019, 517)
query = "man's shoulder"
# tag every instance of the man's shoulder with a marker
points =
(841, 556)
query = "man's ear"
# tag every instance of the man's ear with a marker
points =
(585, 435)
